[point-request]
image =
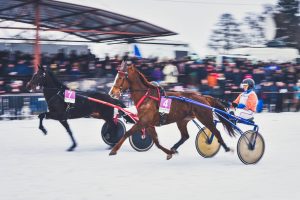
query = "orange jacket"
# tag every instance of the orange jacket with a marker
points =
(249, 100)
(212, 79)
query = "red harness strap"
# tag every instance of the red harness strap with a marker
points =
(147, 95)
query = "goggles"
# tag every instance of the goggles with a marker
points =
(243, 85)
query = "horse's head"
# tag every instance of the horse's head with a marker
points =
(121, 82)
(37, 80)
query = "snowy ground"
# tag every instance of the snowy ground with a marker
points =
(37, 167)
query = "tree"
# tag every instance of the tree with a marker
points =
(287, 21)
(255, 31)
(226, 34)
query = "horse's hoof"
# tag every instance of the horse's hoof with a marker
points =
(112, 153)
(43, 130)
(169, 156)
(72, 148)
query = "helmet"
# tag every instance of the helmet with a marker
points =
(248, 81)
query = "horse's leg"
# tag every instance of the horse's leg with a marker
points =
(135, 128)
(207, 120)
(62, 119)
(184, 134)
(112, 127)
(67, 127)
(41, 126)
(153, 134)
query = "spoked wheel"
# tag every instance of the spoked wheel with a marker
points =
(113, 138)
(250, 147)
(207, 144)
(141, 143)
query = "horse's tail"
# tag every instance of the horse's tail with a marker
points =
(119, 103)
(222, 105)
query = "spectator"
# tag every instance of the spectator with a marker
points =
(171, 73)
(157, 75)
(279, 100)
(201, 75)
(204, 87)
(2, 86)
(297, 96)
(23, 69)
(2, 71)
(212, 79)
(237, 76)
(99, 71)
(75, 71)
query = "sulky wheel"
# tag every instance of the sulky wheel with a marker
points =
(140, 143)
(207, 144)
(250, 147)
(110, 136)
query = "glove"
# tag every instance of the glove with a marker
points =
(240, 105)
(234, 104)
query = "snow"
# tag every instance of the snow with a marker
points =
(35, 167)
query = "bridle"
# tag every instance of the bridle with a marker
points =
(38, 79)
(124, 76)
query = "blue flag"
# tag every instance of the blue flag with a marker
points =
(137, 52)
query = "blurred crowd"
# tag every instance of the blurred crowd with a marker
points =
(277, 85)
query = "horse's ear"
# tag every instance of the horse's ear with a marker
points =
(123, 65)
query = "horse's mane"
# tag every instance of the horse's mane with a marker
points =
(57, 83)
(144, 79)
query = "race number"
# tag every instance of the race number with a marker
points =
(69, 96)
(165, 105)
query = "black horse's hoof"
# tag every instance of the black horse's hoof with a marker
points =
(112, 153)
(43, 130)
(72, 148)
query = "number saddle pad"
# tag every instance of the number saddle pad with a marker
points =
(70, 96)
(165, 105)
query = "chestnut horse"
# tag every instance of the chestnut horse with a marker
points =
(146, 97)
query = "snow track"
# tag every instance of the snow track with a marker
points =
(37, 167)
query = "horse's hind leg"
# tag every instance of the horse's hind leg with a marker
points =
(135, 128)
(152, 132)
(41, 127)
(184, 135)
(207, 120)
(67, 127)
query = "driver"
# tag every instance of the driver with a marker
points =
(246, 102)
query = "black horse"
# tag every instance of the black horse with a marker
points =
(60, 110)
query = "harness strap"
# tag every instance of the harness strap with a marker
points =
(147, 95)
(142, 99)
